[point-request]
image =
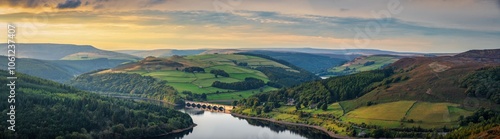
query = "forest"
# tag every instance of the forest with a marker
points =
(53, 110)
(284, 77)
(473, 126)
(484, 83)
(217, 73)
(193, 69)
(247, 84)
(315, 63)
(324, 91)
(133, 84)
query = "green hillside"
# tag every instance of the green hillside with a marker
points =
(47, 51)
(59, 70)
(314, 63)
(362, 63)
(410, 98)
(200, 85)
(46, 109)
(161, 52)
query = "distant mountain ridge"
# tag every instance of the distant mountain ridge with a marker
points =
(491, 53)
(344, 51)
(59, 70)
(161, 52)
(48, 51)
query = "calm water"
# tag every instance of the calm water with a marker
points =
(217, 125)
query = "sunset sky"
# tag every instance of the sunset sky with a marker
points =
(397, 25)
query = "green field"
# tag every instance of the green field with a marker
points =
(236, 95)
(436, 112)
(423, 114)
(226, 59)
(358, 64)
(201, 82)
(387, 114)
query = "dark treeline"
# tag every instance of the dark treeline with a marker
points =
(368, 63)
(145, 86)
(219, 73)
(194, 97)
(484, 83)
(242, 64)
(247, 84)
(46, 109)
(281, 76)
(481, 121)
(193, 69)
(285, 77)
(315, 63)
(324, 91)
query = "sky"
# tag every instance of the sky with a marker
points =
(397, 25)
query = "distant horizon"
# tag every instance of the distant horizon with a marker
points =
(397, 25)
(246, 48)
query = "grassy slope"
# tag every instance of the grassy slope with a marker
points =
(314, 63)
(201, 82)
(440, 100)
(357, 65)
(47, 51)
(423, 114)
(430, 98)
(59, 70)
(47, 109)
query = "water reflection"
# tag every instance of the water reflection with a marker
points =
(299, 130)
(219, 125)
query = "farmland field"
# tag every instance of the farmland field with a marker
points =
(358, 64)
(200, 82)
(386, 113)
(424, 114)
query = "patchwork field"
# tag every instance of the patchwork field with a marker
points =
(408, 114)
(387, 114)
(359, 64)
(200, 83)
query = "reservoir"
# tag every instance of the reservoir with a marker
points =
(220, 125)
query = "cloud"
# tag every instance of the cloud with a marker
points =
(498, 3)
(69, 4)
(23, 3)
(343, 9)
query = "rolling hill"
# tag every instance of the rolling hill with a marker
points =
(60, 70)
(417, 94)
(362, 63)
(46, 51)
(161, 52)
(46, 109)
(311, 62)
(343, 51)
(194, 76)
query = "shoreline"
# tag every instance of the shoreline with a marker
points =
(331, 134)
(176, 131)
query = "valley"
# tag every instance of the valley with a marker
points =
(250, 69)
(362, 63)
(367, 96)
(199, 85)
(418, 94)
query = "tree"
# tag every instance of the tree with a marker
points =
(324, 106)
(267, 109)
(258, 111)
(235, 103)
(204, 96)
(297, 106)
